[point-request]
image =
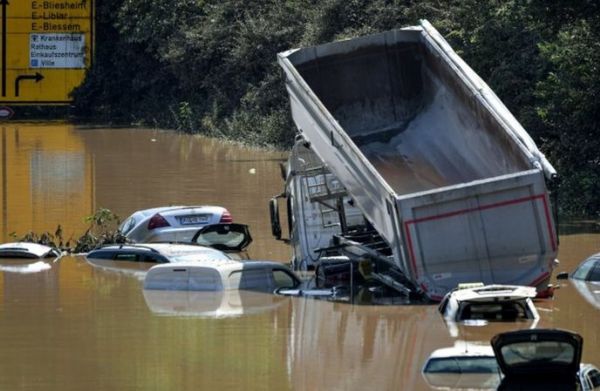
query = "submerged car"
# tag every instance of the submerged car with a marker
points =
(588, 270)
(221, 275)
(136, 259)
(489, 302)
(171, 223)
(155, 253)
(217, 304)
(466, 365)
(217, 241)
(543, 359)
(478, 304)
(210, 243)
(27, 250)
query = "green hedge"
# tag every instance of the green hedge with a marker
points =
(210, 67)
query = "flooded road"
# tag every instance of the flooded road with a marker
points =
(67, 325)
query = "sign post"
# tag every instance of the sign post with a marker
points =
(47, 45)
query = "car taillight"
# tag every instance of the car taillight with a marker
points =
(226, 217)
(157, 221)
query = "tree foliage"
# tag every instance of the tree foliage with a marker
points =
(210, 66)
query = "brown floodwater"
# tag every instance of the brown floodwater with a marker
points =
(68, 325)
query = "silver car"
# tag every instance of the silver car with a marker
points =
(172, 223)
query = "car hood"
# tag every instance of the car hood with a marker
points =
(538, 352)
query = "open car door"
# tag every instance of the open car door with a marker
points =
(224, 237)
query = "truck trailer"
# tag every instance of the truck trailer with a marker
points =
(407, 159)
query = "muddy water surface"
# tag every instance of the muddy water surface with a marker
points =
(67, 325)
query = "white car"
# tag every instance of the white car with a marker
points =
(466, 365)
(172, 223)
(221, 275)
(27, 250)
(543, 359)
(478, 304)
(210, 243)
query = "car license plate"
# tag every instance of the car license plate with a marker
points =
(194, 219)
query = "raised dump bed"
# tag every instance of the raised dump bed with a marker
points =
(430, 155)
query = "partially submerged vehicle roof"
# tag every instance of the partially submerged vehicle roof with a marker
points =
(588, 270)
(546, 352)
(170, 252)
(466, 365)
(26, 250)
(496, 293)
(464, 349)
(219, 275)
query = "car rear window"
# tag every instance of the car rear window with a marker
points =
(462, 365)
(508, 311)
(544, 352)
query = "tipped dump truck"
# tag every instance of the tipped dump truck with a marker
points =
(398, 137)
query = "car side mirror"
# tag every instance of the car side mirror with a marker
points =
(562, 276)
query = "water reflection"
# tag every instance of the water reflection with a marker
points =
(76, 326)
(589, 290)
(59, 173)
(46, 178)
(24, 266)
(220, 304)
(134, 269)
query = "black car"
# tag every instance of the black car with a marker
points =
(543, 359)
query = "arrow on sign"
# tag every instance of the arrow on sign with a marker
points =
(37, 77)
(4, 4)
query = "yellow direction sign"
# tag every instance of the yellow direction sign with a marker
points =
(47, 45)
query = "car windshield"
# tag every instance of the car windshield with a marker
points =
(480, 364)
(543, 352)
(583, 270)
(595, 274)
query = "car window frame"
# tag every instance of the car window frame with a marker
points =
(594, 272)
(583, 268)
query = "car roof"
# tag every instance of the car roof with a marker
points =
(494, 293)
(164, 209)
(463, 349)
(26, 249)
(222, 266)
(168, 250)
